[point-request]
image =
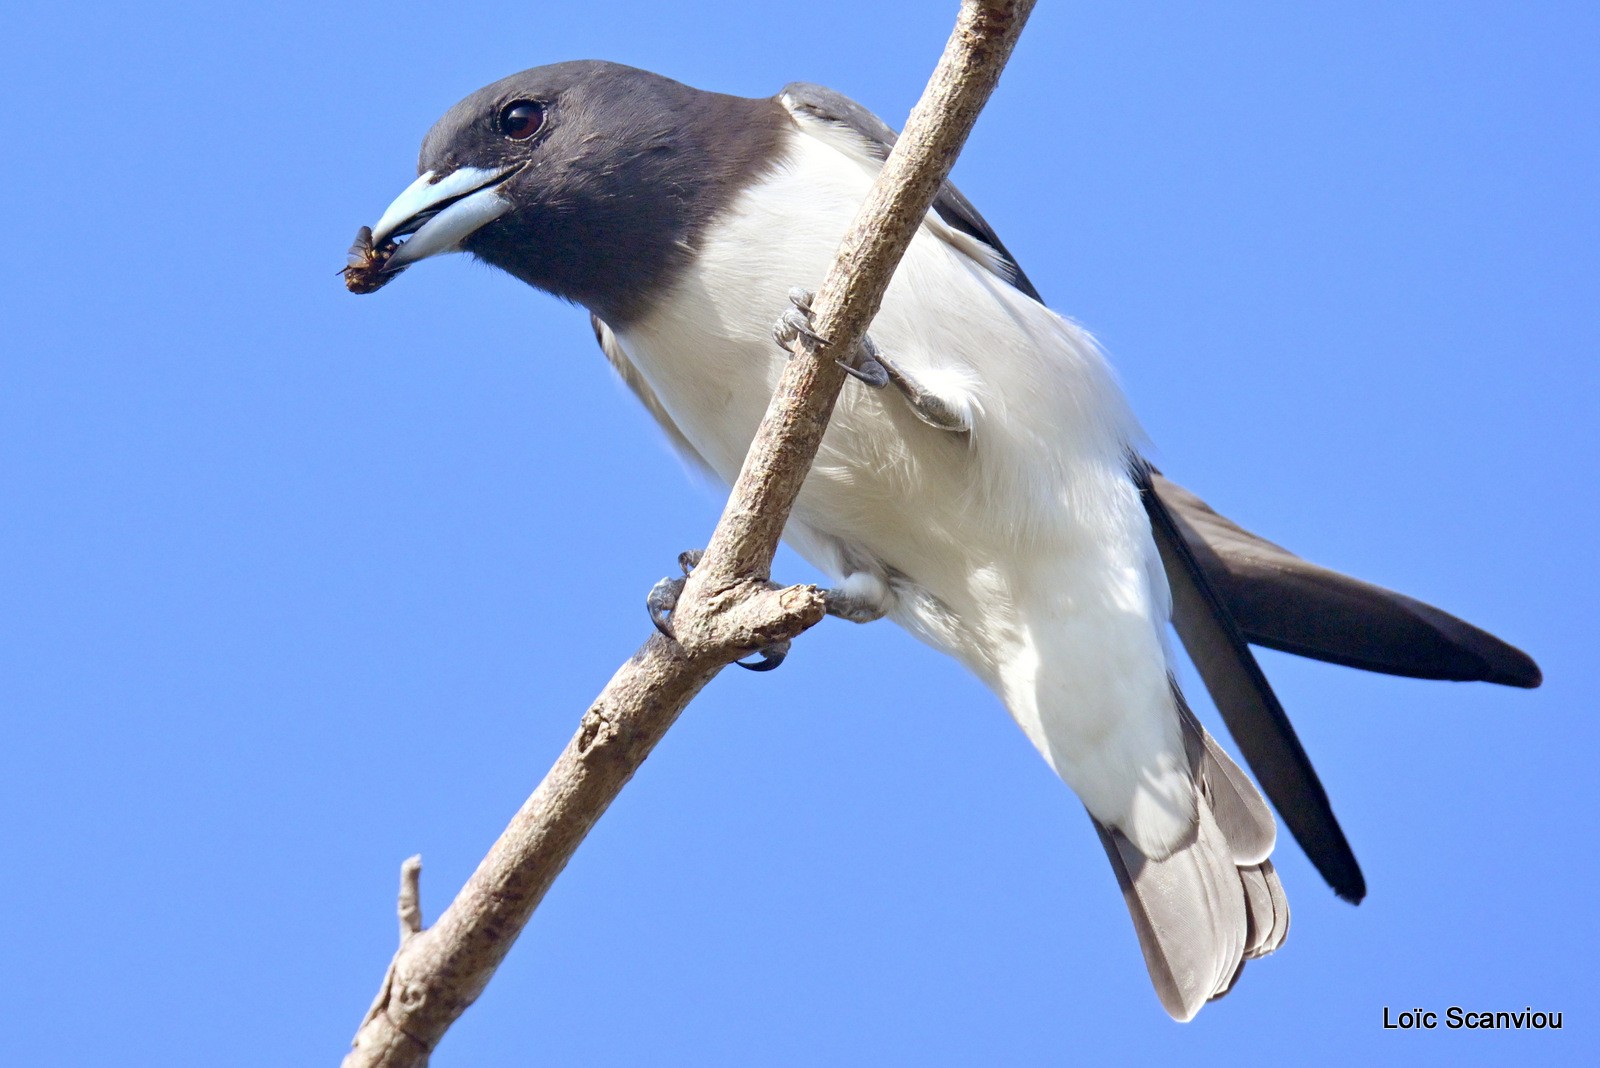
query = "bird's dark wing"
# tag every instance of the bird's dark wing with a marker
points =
(1283, 602)
(1245, 699)
(956, 210)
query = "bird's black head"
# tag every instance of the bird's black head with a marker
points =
(588, 179)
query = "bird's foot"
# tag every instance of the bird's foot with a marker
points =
(862, 597)
(871, 366)
(927, 405)
(663, 598)
(864, 364)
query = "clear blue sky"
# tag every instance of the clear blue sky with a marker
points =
(294, 584)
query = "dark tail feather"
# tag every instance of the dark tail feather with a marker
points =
(1283, 602)
(1248, 706)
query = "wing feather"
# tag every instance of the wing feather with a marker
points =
(1283, 602)
(957, 212)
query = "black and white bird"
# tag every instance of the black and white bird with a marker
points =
(981, 484)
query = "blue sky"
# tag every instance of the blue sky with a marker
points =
(297, 584)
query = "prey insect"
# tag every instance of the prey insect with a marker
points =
(363, 271)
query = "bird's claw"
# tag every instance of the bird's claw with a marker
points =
(792, 325)
(660, 601)
(663, 598)
(866, 366)
(795, 323)
(770, 657)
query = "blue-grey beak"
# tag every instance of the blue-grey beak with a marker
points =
(434, 215)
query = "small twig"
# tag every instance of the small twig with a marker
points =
(410, 899)
(727, 605)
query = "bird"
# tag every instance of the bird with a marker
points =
(982, 483)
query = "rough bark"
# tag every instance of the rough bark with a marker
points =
(728, 605)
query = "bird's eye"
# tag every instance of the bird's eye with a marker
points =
(521, 119)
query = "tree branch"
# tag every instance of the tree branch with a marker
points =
(728, 605)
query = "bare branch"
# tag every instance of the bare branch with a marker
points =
(728, 605)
